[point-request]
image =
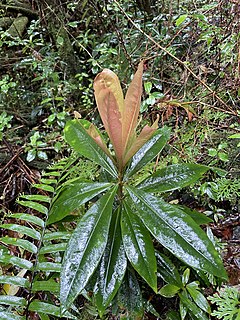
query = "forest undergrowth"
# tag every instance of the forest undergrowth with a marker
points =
(50, 54)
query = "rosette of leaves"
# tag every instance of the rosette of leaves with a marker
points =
(114, 237)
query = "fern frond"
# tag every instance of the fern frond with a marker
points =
(31, 254)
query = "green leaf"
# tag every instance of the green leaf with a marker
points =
(16, 281)
(85, 248)
(83, 143)
(43, 187)
(57, 235)
(112, 266)
(192, 308)
(130, 296)
(49, 285)
(56, 247)
(223, 156)
(148, 151)
(37, 197)
(198, 217)
(42, 155)
(49, 266)
(16, 261)
(181, 19)
(31, 155)
(25, 244)
(72, 197)
(176, 231)
(12, 301)
(198, 297)
(23, 230)
(173, 177)
(4, 315)
(139, 247)
(47, 308)
(169, 290)
(29, 218)
(34, 205)
(167, 270)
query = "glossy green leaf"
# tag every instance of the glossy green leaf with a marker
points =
(148, 151)
(47, 308)
(72, 197)
(198, 297)
(44, 187)
(173, 315)
(28, 217)
(36, 197)
(56, 247)
(198, 217)
(112, 266)
(169, 290)
(16, 261)
(5, 315)
(130, 296)
(23, 230)
(49, 266)
(49, 285)
(192, 308)
(83, 143)
(57, 235)
(176, 231)
(173, 177)
(181, 19)
(85, 248)
(16, 281)
(12, 301)
(167, 270)
(34, 205)
(25, 244)
(138, 246)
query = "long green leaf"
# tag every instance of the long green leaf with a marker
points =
(25, 244)
(139, 247)
(29, 218)
(49, 266)
(173, 177)
(167, 270)
(130, 296)
(176, 231)
(112, 266)
(22, 229)
(49, 285)
(5, 315)
(16, 281)
(85, 248)
(16, 261)
(83, 143)
(56, 247)
(73, 196)
(34, 205)
(192, 308)
(47, 308)
(148, 151)
(12, 301)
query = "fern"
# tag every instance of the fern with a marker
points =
(227, 302)
(31, 253)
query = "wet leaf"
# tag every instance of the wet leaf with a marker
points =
(22, 230)
(139, 247)
(130, 296)
(78, 138)
(112, 266)
(198, 297)
(169, 290)
(176, 231)
(85, 248)
(197, 313)
(173, 177)
(148, 151)
(72, 197)
(167, 270)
